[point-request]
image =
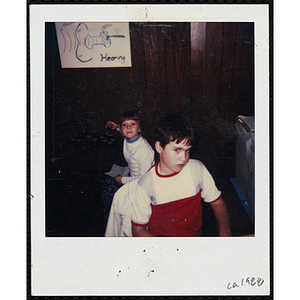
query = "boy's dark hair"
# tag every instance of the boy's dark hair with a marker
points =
(175, 127)
(132, 115)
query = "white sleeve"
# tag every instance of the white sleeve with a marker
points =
(205, 181)
(141, 205)
(209, 190)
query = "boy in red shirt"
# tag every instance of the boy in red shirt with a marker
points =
(167, 200)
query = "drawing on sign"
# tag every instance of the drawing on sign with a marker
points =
(93, 44)
(85, 41)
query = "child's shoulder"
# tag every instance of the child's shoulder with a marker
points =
(146, 181)
(143, 145)
(143, 140)
(198, 170)
(196, 163)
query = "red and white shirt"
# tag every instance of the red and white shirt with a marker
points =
(170, 205)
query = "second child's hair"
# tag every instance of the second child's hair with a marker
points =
(131, 115)
(175, 127)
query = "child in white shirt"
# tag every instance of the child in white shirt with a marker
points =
(138, 153)
(139, 156)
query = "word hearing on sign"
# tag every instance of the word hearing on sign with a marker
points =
(106, 57)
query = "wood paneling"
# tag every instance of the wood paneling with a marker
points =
(222, 87)
(243, 71)
(197, 71)
(154, 48)
(228, 56)
(177, 66)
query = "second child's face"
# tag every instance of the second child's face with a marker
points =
(130, 129)
(173, 157)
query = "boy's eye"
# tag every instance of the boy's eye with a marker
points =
(178, 150)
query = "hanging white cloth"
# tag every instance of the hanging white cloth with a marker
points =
(119, 220)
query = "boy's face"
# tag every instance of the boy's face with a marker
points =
(173, 157)
(130, 129)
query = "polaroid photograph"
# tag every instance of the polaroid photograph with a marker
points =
(149, 150)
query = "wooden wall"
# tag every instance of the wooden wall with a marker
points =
(222, 87)
(205, 70)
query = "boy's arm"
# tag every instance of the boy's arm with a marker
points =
(113, 125)
(221, 214)
(140, 231)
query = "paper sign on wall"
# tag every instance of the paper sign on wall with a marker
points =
(93, 44)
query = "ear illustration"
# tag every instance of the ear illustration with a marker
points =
(81, 53)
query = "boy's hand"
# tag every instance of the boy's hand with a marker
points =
(118, 178)
(225, 232)
(112, 124)
(140, 231)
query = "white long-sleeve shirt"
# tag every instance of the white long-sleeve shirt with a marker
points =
(139, 156)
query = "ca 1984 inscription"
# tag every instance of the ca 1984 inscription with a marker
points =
(249, 281)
